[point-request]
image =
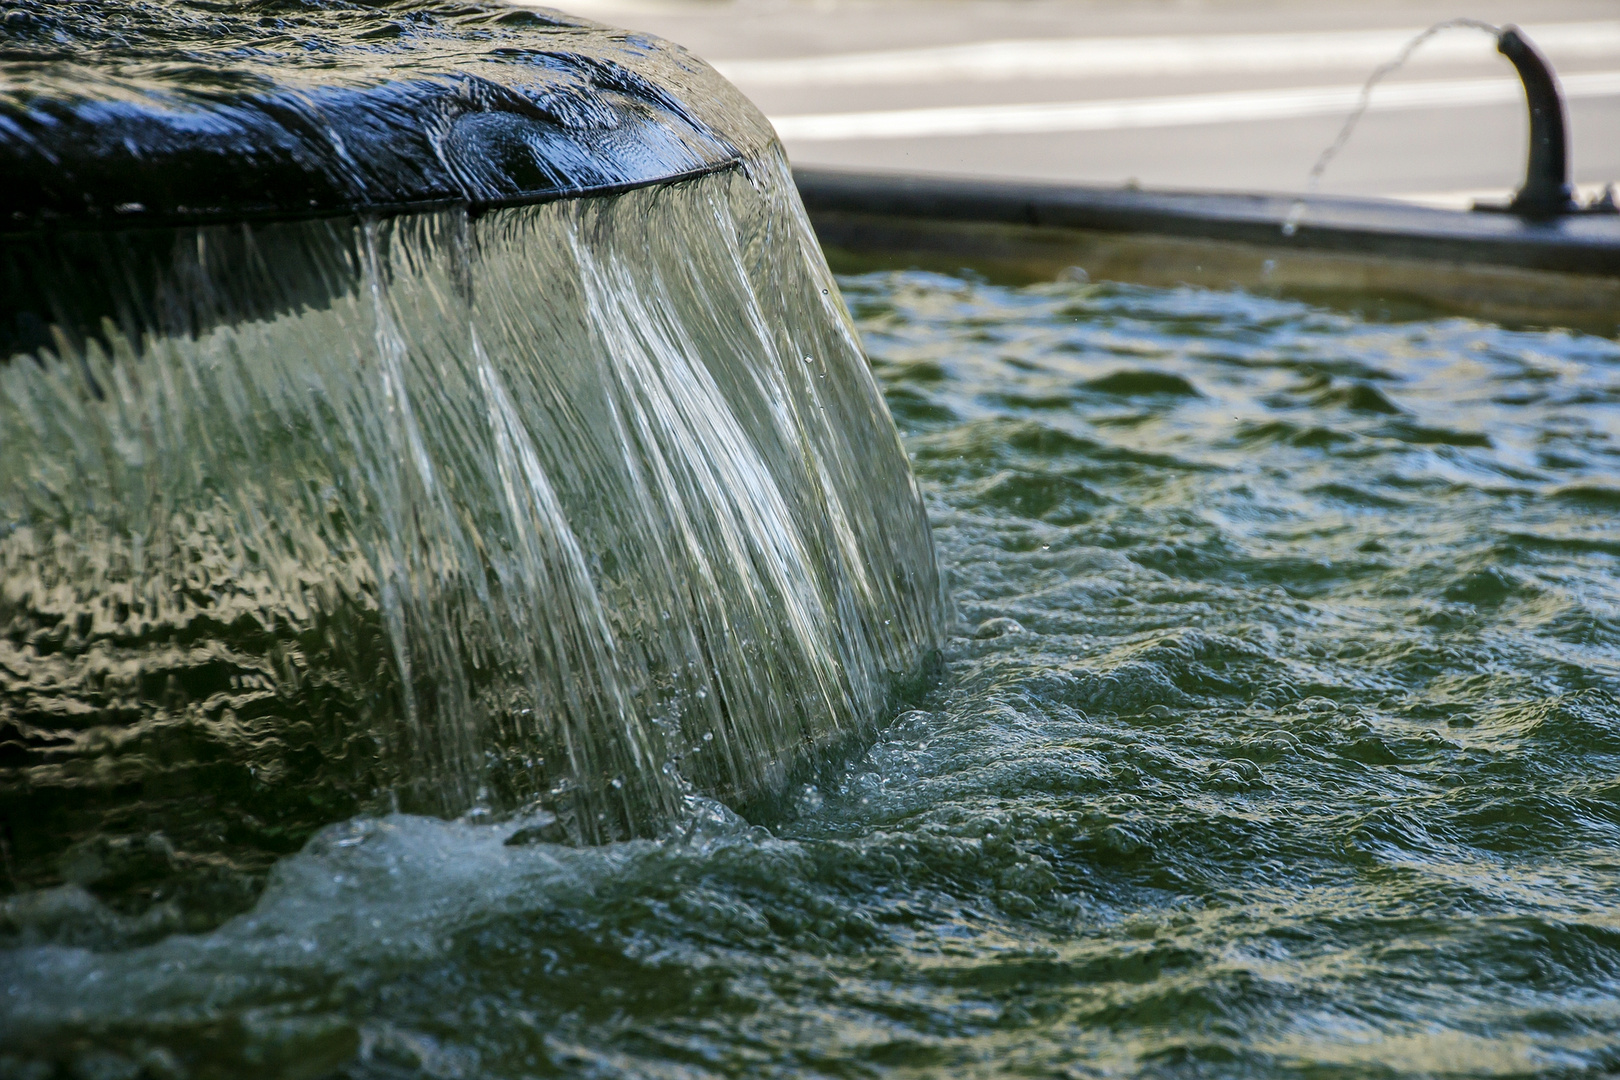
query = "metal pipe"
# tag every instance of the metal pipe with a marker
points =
(1546, 191)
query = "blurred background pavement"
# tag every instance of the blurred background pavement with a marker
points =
(1219, 94)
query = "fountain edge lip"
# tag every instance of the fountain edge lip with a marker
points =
(19, 225)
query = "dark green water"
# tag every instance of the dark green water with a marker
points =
(1279, 737)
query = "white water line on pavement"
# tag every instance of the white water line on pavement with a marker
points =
(995, 61)
(1187, 109)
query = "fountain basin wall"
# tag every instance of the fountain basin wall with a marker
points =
(1360, 253)
(575, 504)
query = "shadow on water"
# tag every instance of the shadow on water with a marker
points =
(1375, 289)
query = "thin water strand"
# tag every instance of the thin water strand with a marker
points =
(1313, 179)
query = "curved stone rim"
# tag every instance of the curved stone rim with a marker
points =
(193, 124)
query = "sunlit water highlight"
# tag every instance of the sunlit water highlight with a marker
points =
(1278, 736)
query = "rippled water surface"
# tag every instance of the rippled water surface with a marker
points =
(1278, 735)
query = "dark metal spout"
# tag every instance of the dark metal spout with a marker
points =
(1546, 191)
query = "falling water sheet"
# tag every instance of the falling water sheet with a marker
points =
(438, 408)
(577, 509)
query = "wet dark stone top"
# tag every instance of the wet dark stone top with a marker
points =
(134, 113)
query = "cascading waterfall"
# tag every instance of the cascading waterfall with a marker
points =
(571, 507)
